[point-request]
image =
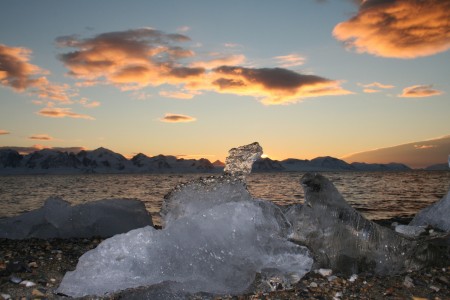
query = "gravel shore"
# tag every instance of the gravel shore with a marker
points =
(33, 269)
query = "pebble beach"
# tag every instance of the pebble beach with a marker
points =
(33, 269)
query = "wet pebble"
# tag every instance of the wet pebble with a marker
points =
(15, 279)
(27, 283)
(6, 296)
(37, 293)
(325, 272)
(353, 278)
(408, 282)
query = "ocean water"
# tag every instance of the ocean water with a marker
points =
(378, 195)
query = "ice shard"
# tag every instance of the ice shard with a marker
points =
(240, 160)
(216, 239)
(343, 240)
(437, 215)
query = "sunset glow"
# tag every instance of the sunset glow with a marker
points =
(303, 78)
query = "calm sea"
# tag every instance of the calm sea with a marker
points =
(378, 195)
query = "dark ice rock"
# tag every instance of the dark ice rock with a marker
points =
(240, 160)
(58, 219)
(342, 239)
(437, 215)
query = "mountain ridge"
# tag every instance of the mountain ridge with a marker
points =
(103, 160)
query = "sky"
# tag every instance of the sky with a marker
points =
(195, 78)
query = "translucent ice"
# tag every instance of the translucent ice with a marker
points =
(436, 215)
(342, 239)
(58, 219)
(216, 250)
(240, 160)
(216, 239)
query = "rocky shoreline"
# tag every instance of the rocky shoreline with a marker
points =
(33, 269)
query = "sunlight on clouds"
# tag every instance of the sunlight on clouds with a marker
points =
(22, 76)
(419, 91)
(4, 132)
(177, 118)
(134, 59)
(401, 29)
(178, 94)
(56, 112)
(274, 85)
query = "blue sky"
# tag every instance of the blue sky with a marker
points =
(280, 73)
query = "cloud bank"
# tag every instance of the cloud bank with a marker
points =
(136, 58)
(37, 147)
(4, 132)
(398, 28)
(419, 154)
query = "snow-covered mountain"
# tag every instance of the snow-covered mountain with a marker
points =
(171, 164)
(103, 160)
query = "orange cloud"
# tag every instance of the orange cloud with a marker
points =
(42, 137)
(19, 74)
(129, 59)
(4, 132)
(419, 91)
(401, 29)
(274, 85)
(177, 118)
(290, 60)
(378, 85)
(55, 112)
(178, 94)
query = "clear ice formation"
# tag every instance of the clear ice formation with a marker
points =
(58, 219)
(240, 160)
(218, 249)
(343, 240)
(216, 239)
(437, 215)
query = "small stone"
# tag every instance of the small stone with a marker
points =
(313, 284)
(15, 279)
(338, 295)
(434, 288)
(6, 296)
(408, 282)
(325, 272)
(442, 279)
(33, 264)
(52, 279)
(28, 283)
(331, 278)
(418, 298)
(37, 293)
(353, 278)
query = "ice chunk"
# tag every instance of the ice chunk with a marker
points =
(436, 215)
(58, 219)
(410, 230)
(240, 160)
(343, 240)
(216, 250)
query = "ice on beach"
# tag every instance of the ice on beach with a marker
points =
(437, 215)
(343, 240)
(216, 239)
(58, 219)
(217, 250)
